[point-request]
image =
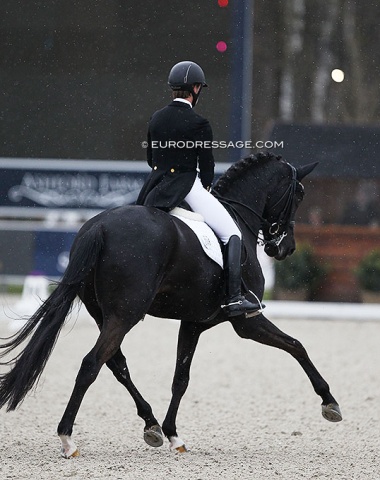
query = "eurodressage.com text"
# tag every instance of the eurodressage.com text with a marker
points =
(249, 144)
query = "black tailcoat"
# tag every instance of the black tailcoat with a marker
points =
(179, 141)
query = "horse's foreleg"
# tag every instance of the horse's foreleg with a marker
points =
(263, 331)
(106, 346)
(187, 342)
(152, 431)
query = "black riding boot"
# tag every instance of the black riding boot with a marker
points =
(237, 304)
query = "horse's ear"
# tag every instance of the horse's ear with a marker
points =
(305, 170)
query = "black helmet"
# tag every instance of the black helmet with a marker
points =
(184, 74)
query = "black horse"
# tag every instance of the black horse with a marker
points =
(135, 260)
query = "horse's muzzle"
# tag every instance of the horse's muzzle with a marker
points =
(284, 252)
(271, 250)
(279, 252)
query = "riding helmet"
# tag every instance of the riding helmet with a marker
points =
(184, 74)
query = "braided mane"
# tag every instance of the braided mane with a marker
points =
(240, 168)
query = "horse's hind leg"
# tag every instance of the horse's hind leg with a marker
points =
(263, 331)
(118, 366)
(107, 345)
(152, 430)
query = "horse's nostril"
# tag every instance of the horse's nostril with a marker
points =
(271, 250)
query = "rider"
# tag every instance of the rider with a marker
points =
(179, 143)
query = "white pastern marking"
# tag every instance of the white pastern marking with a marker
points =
(176, 442)
(68, 446)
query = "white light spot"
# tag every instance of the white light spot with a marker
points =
(337, 75)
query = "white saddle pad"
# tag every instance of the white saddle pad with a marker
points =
(206, 236)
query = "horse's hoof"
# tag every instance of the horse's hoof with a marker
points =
(331, 412)
(154, 436)
(177, 445)
(69, 455)
(181, 449)
(68, 448)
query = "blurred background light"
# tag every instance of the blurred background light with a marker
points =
(337, 75)
(221, 46)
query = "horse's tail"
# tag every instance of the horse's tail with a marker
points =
(49, 319)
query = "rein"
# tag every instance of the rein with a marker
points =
(228, 202)
(272, 228)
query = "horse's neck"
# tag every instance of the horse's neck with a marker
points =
(248, 214)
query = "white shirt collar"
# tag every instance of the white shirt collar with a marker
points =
(183, 100)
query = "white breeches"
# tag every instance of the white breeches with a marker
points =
(215, 215)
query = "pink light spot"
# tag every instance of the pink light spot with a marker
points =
(221, 46)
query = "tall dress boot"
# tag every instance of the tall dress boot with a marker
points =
(237, 304)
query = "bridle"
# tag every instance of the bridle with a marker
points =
(276, 230)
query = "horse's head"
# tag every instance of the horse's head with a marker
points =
(263, 191)
(280, 209)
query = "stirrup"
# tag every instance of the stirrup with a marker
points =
(242, 306)
(254, 314)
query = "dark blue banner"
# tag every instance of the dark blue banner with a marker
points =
(29, 187)
(68, 184)
(51, 254)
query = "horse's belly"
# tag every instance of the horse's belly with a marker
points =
(194, 298)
